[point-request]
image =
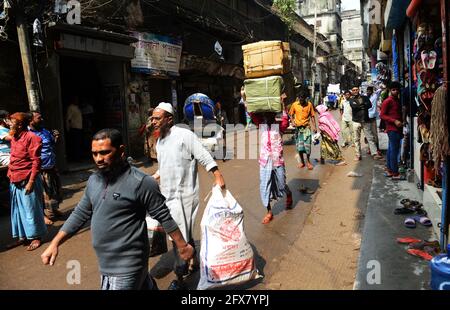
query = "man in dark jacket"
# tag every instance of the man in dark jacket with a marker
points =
(360, 117)
(116, 200)
(391, 113)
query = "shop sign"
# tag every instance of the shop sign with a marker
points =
(156, 55)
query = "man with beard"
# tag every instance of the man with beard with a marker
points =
(116, 200)
(50, 175)
(27, 215)
(179, 150)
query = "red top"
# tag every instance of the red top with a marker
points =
(391, 110)
(25, 158)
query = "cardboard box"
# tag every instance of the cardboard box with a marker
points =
(263, 94)
(266, 58)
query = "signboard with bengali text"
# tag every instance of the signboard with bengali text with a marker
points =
(156, 55)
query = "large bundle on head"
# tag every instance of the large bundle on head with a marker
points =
(264, 94)
(439, 128)
(266, 58)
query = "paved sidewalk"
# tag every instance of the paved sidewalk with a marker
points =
(398, 269)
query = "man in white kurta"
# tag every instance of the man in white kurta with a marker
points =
(178, 152)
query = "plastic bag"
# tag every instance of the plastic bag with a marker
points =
(226, 257)
(156, 237)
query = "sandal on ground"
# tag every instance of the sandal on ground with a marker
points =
(399, 177)
(34, 245)
(408, 240)
(267, 218)
(357, 158)
(410, 222)
(425, 221)
(310, 166)
(300, 166)
(420, 253)
(433, 246)
(404, 210)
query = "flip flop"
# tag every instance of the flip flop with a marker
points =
(424, 58)
(404, 210)
(410, 222)
(425, 221)
(421, 245)
(419, 253)
(310, 166)
(408, 240)
(34, 245)
(431, 59)
(267, 218)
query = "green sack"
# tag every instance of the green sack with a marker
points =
(263, 94)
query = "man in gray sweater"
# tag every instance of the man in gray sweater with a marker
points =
(116, 200)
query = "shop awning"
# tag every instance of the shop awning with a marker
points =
(395, 13)
(412, 8)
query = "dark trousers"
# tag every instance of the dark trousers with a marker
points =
(393, 151)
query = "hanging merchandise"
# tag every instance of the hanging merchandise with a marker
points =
(37, 33)
(439, 128)
(395, 57)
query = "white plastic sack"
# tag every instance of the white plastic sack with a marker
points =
(225, 255)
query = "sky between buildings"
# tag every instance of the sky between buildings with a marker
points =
(350, 5)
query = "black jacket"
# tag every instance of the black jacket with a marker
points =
(360, 108)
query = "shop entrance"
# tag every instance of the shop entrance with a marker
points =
(96, 88)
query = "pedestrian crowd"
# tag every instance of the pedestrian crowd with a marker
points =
(118, 196)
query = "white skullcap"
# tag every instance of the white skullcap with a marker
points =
(166, 107)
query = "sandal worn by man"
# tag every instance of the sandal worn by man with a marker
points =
(34, 245)
(267, 218)
(309, 166)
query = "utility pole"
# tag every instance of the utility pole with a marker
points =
(29, 72)
(313, 64)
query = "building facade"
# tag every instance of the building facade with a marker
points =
(352, 35)
(326, 16)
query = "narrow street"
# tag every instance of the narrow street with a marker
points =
(313, 246)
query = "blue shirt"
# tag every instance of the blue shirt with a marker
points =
(48, 156)
(373, 112)
(5, 146)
